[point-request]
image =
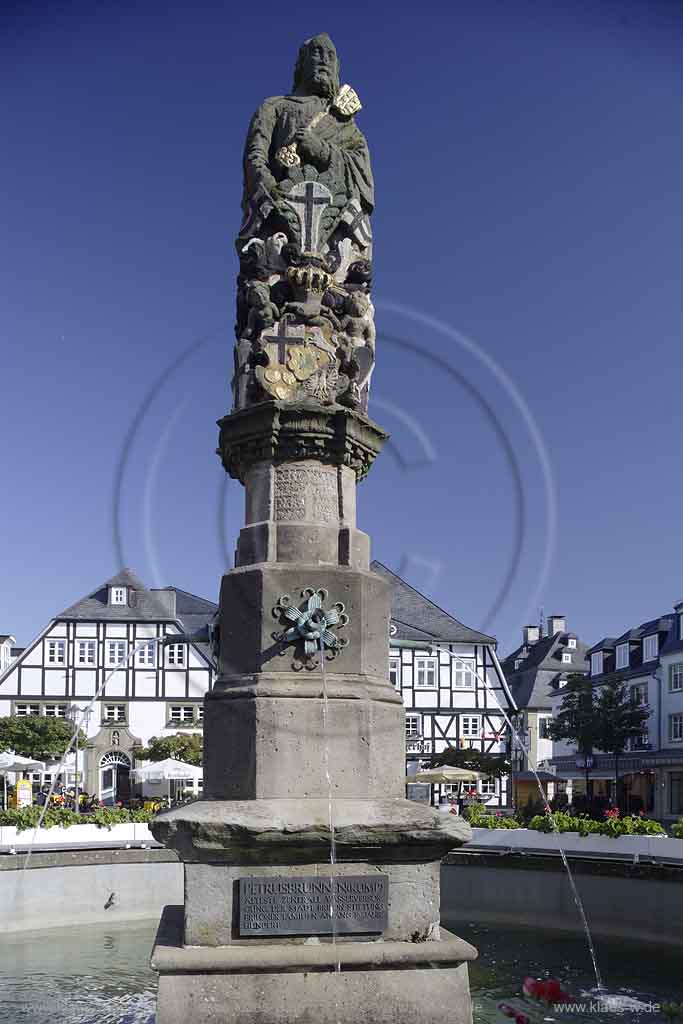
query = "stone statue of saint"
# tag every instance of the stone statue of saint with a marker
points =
(305, 244)
(312, 128)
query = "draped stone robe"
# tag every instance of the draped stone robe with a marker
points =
(274, 125)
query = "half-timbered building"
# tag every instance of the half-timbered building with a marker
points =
(452, 685)
(158, 692)
(448, 675)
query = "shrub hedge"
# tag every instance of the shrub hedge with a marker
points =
(104, 817)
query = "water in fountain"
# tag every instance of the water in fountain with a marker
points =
(330, 818)
(599, 989)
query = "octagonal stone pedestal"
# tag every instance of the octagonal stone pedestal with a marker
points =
(311, 983)
(415, 971)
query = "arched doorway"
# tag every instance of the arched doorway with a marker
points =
(114, 778)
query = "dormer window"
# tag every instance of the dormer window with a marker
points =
(622, 656)
(118, 595)
(650, 647)
(566, 658)
(680, 627)
(571, 642)
(596, 664)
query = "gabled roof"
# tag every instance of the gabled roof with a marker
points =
(4, 637)
(143, 604)
(417, 618)
(541, 666)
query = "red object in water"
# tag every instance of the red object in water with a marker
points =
(549, 991)
(516, 1015)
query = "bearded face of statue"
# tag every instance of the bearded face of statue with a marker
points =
(317, 70)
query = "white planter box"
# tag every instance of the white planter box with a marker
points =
(573, 842)
(74, 835)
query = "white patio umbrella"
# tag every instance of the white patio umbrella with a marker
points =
(16, 764)
(166, 770)
(435, 776)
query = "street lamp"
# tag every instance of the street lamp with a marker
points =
(519, 739)
(80, 717)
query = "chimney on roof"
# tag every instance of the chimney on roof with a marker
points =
(166, 596)
(531, 634)
(556, 624)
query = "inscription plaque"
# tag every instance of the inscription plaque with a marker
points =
(301, 905)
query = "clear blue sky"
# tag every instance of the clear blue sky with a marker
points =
(528, 161)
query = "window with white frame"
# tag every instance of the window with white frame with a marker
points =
(175, 654)
(596, 664)
(114, 713)
(413, 727)
(117, 651)
(544, 727)
(676, 677)
(181, 714)
(118, 595)
(200, 712)
(56, 652)
(518, 662)
(650, 647)
(639, 692)
(641, 741)
(54, 710)
(676, 728)
(147, 655)
(487, 787)
(394, 671)
(27, 710)
(470, 725)
(86, 652)
(571, 642)
(426, 673)
(566, 658)
(622, 655)
(463, 674)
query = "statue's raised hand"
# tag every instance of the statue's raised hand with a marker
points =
(312, 149)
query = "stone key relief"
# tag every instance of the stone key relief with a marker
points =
(305, 320)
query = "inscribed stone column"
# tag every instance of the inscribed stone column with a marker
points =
(311, 884)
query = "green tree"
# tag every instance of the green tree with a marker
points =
(621, 717)
(576, 720)
(183, 746)
(37, 736)
(474, 760)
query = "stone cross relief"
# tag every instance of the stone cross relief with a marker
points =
(308, 199)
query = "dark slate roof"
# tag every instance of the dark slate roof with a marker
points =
(417, 618)
(674, 641)
(541, 666)
(5, 636)
(194, 613)
(664, 626)
(143, 605)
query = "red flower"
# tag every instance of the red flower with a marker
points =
(549, 991)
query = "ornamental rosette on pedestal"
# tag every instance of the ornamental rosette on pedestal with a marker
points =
(309, 627)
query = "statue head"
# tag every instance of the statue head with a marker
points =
(317, 68)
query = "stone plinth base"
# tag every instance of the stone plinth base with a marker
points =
(377, 983)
